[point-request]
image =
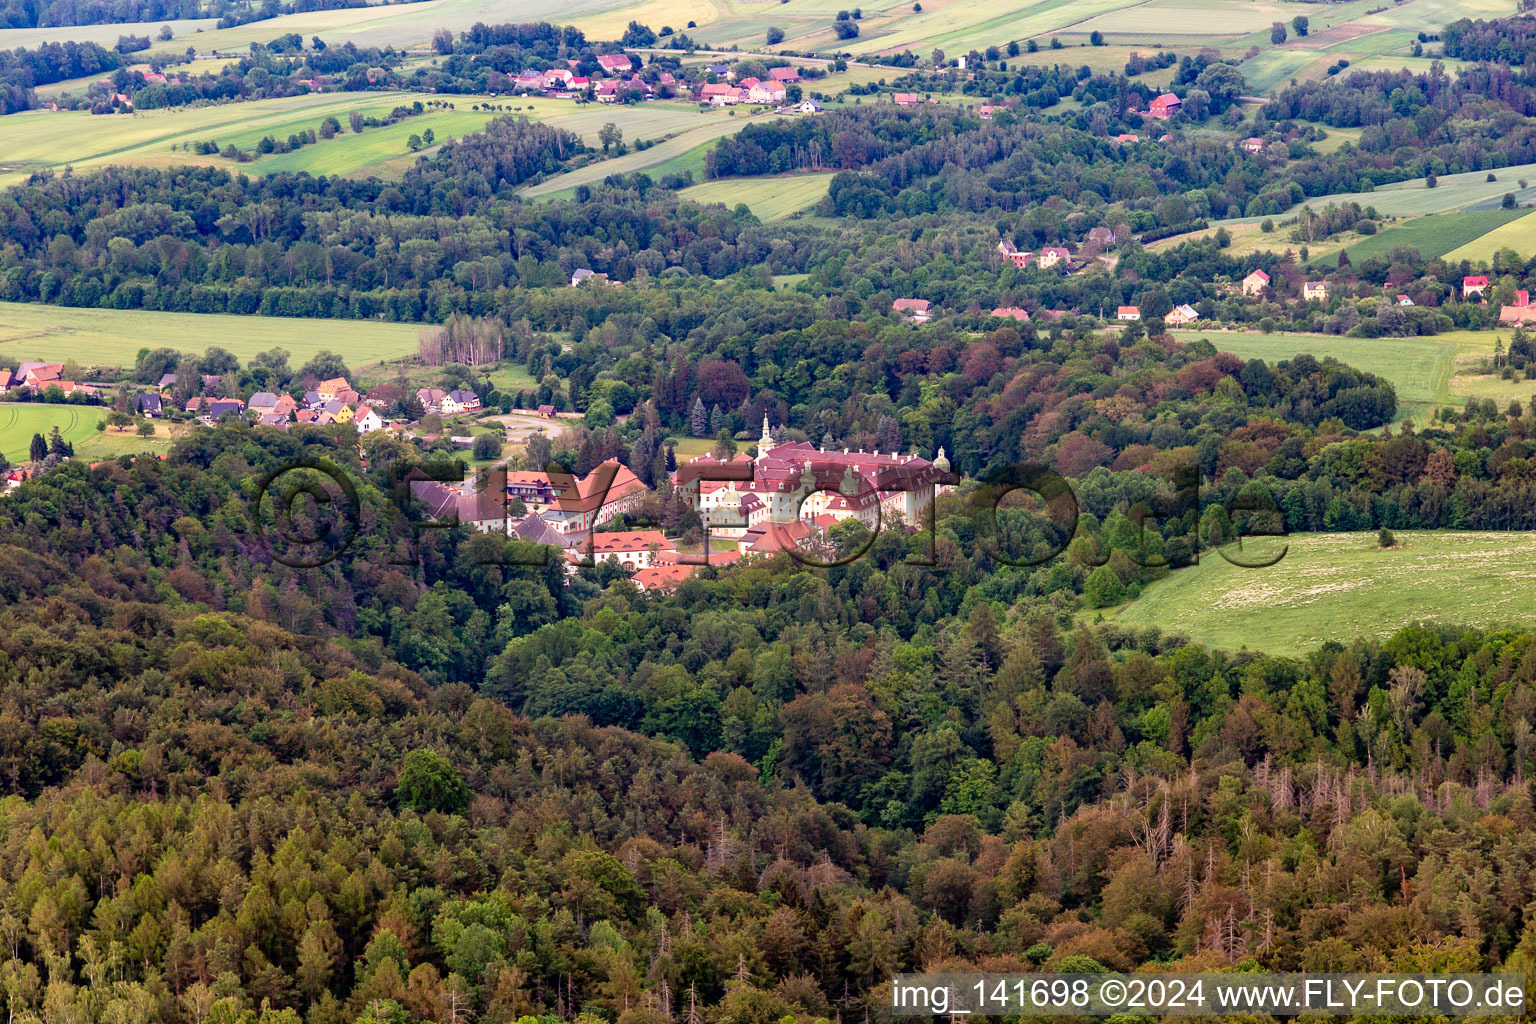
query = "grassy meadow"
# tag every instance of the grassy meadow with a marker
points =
(1419, 368)
(19, 421)
(113, 337)
(42, 139)
(770, 198)
(1339, 586)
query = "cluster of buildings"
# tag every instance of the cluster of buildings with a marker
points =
(329, 402)
(39, 377)
(771, 91)
(785, 498)
(718, 84)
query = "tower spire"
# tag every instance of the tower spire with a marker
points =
(766, 441)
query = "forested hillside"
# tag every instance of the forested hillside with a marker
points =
(255, 809)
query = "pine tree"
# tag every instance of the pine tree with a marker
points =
(698, 419)
(39, 448)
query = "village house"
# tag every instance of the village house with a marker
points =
(1255, 284)
(546, 411)
(149, 404)
(1471, 286)
(766, 92)
(5, 380)
(367, 421)
(719, 94)
(1521, 312)
(1013, 255)
(1127, 137)
(1317, 290)
(1403, 300)
(1012, 313)
(906, 99)
(1128, 313)
(1180, 316)
(431, 399)
(809, 107)
(584, 274)
(1050, 256)
(331, 390)
(262, 403)
(985, 111)
(789, 74)
(37, 375)
(616, 63)
(1165, 106)
(1253, 146)
(217, 408)
(1102, 236)
(459, 401)
(916, 310)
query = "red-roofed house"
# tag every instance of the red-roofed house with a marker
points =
(916, 310)
(1012, 312)
(767, 92)
(784, 74)
(1128, 313)
(1255, 283)
(1165, 105)
(1471, 286)
(907, 99)
(1014, 255)
(662, 577)
(635, 549)
(616, 63)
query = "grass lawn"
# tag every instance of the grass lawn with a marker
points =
(1438, 234)
(1338, 586)
(113, 337)
(692, 447)
(20, 420)
(771, 198)
(1420, 368)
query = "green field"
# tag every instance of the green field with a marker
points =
(769, 198)
(40, 139)
(1339, 586)
(19, 421)
(1419, 368)
(113, 337)
(1438, 234)
(1452, 192)
(1518, 232)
